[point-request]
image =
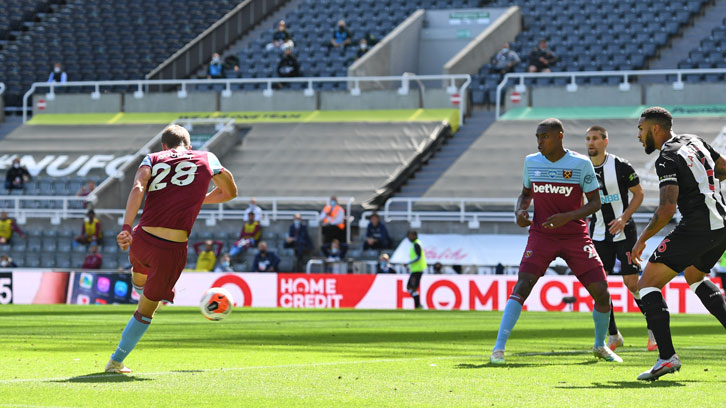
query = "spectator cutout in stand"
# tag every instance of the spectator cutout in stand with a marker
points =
(7, 227)
(16, 177)
(90, 230)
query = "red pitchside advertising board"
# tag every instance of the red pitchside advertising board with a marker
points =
(291, 290)
(440, 292)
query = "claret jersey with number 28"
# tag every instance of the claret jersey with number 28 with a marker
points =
(178, 185)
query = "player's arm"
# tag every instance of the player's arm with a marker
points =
(593, 204)
(133, 204)
(520, 210)
(663, 214)
(720, 170)
(225, 188)
(618, 224)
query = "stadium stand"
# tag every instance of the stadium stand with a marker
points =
(710, 53)
(312, 24)
(61, 158)
(365, 161)
(590, 36)
(96, 39)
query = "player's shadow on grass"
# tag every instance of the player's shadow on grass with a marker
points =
(517, 365)
(618, 385)
(101, 378)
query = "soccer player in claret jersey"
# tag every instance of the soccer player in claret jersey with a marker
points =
(175, 182)
(612, 228)
(557, 178)
(689, 172)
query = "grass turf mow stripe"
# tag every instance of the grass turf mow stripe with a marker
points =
(54, 356)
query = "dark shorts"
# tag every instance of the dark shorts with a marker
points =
(578, 251)
(610, 250)
(681, 249)
(161, 261)
(414, 281)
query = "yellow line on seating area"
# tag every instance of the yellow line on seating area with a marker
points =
(415, 115)
(312, 116)
(115, 118)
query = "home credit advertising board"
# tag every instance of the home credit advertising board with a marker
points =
(290, 290)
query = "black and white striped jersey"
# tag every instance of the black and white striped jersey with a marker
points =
(689, 162)
(615, 176)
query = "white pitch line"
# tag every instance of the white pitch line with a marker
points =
(30, 406)
(330, 363)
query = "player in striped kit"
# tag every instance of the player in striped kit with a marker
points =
(612, 228)
(689, 173)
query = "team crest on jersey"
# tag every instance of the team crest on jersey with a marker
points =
(567, 174)
(527, 254)
(552, 173)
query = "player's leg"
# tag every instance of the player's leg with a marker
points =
(708, 292)
(582, 257)
(541, 250)
(163, 261)
(138, 281)
(512, 311)
(131, 335)
(413, 285)
(595, 283)
(654, 277)
(606, 251)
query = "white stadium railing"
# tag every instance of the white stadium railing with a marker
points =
(462, 215)
(572, 86)
(355, 90)
(210, 216)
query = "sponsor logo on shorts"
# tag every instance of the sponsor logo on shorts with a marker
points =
(527, 254)
(567, 174)
(551, 189)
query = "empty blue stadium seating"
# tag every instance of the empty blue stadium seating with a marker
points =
(98, 39)
(595, 35)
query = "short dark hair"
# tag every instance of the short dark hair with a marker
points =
(412, 232)
(552, 124)
(659, 115)
(596, 128)
(175, 136)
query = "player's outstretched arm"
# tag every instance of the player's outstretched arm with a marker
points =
(225, 189)
(133, 204)
(618, 224)
(593, 204)
(663, 214)
(520, 210)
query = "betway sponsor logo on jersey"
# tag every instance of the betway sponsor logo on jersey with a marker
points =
(548, 188)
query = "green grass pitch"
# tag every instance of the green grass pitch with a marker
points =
(53, 356)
